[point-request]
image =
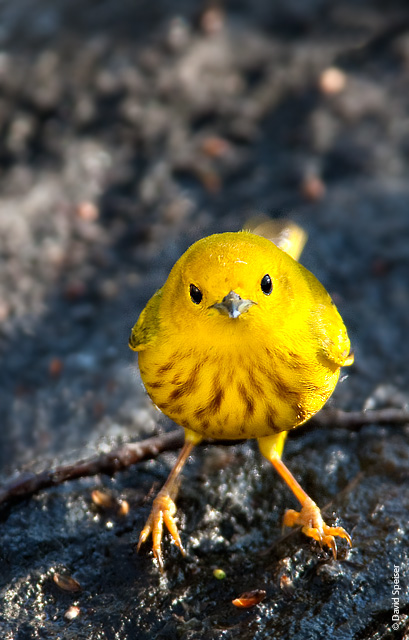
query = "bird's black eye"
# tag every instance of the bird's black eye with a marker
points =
(195, 294)
(266, 285)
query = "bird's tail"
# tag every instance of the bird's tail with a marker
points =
(286, 234)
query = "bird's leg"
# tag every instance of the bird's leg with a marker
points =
(164, 508)
(309, 517)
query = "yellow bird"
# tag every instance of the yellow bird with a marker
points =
(241, 342)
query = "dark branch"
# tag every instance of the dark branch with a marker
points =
(356, 419)
(123, 457)
(109, 463)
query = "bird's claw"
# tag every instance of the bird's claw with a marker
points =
(313, 526)
(163, 511)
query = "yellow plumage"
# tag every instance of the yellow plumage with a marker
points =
(268, 370)
(225, 356)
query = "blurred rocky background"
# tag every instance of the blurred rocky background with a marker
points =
(127, 131)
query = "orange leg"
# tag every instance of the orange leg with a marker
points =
(164, 509)
(309, 518)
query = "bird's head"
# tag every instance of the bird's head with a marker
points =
(228, 282)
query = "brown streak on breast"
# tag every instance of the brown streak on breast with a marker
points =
(177, 409)
(284, 391)
(270, 419)
(164, 368)
(280, 388)
(154, 385)
(199, 413)
(248, 400)
(216, 401)
(204, 426)
(294, 361)
(254, 383)
(187, 387)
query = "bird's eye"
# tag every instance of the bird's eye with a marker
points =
(266, 285)
(195, 294)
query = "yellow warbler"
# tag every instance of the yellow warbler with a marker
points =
(241, 342)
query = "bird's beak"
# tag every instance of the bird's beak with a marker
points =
(232, 305)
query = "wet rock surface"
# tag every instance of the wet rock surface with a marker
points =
(127, 132)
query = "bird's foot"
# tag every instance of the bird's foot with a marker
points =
(163, 511)
(313, 526)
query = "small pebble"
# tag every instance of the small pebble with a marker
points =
(66, 582)
(88, 211)
(286, 584)
(75, 290)
(219, 574)
(312, 188)
(332, 81)
(123, 508)
(249, 599)
(55, 367)
(212, 20)
(215, 147)
(103, 499)
(72, 613)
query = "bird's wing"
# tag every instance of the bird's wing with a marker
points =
(327, 326)
(146, 329)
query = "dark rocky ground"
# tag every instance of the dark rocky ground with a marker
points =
(127, 131)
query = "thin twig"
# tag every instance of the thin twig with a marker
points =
(109, 463)
(356, 419)
(123, 457)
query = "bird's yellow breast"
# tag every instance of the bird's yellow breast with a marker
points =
(250, 375)
(237, 390)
